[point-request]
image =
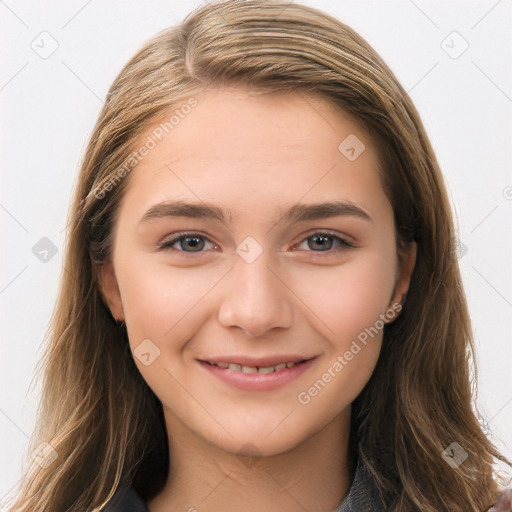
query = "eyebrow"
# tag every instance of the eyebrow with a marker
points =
(296, 213)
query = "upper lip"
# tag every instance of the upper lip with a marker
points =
(260, 362)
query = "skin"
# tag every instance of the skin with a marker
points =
(255, 155)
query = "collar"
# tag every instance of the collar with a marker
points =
(363, 493)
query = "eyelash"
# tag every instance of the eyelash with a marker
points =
(343, 243)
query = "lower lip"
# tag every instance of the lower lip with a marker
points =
(257, 381)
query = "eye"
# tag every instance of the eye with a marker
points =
(187, 242)
(324, 242)
(195, 243)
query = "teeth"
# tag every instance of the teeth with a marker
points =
(253, 369)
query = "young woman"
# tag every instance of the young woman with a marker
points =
(262, 307)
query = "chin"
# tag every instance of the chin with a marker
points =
(264, 442)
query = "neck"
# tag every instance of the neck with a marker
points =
(313, 476)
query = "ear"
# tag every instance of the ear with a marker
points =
(110, 291)
(406, 267)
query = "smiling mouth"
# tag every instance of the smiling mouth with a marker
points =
(258, 374)
(235, 367)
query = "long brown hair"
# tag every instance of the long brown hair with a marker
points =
(105, 424)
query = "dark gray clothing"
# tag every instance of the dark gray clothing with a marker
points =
(126, 500)
(363, 495)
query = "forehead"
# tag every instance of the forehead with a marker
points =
(236, 141)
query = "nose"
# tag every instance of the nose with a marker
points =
(255, 298)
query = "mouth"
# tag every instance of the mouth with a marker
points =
(257, 375)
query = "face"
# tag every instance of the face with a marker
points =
(220, 256)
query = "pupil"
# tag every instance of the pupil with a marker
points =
(320, 241)
(194, 242)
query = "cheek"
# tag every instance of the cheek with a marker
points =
(158, 298)
(347, 298)
(347, 303)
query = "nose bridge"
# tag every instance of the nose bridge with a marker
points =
(254, 279)
(254, 299)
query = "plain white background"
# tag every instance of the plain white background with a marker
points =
(454, 58)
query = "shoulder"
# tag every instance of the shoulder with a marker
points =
(126, 500)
